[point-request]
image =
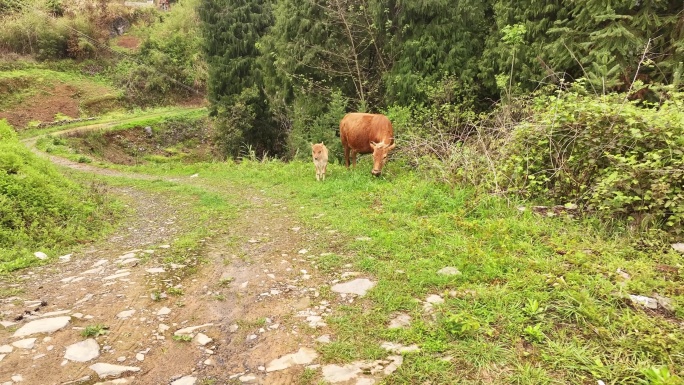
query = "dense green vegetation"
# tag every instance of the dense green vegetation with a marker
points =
(40, 209)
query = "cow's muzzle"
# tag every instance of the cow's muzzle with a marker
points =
(376, 172)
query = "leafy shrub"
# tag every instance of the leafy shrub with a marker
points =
(39, 208)
(614, 156)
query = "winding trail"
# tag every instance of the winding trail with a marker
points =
(230, 312)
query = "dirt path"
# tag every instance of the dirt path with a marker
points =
(232, 313)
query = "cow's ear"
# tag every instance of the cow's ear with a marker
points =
(311, 144)
(373, 145)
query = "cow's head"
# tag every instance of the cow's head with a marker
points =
(317, 150)
(380, 151)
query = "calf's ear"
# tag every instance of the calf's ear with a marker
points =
(373, 145)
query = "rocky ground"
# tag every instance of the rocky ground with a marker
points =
(247, 309)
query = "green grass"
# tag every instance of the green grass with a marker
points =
(42, 210)
(94, 330)
(539, 300)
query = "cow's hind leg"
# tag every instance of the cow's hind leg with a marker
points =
(346, 156)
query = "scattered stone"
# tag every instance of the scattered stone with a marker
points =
(83, 351)
(17, 378)
(644, 301)
(335, 373)
(303, 251)
(96, 270)
(246, 379)
(449, 270)
(65, 258)
(6, 349)
(156, 270)
(140, 357)
(125, 314)
(324, 339)
(399, 348)
(164, 246)
(358, 286)
(233, 328)
(121, 359)
(190, 329)
(434, 299)
(7, 324)
(86, 298)
(187, 380)
(194, 175)
(202, 339)
(665, 303)
(40, 255)
(302, 357)
(164, 311)
(115, 276)
(104, 370)
(43, 325)
(400, 321)
(28, 343)
(678, 247)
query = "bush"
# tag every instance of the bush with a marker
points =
(617, 157)
(39, 208)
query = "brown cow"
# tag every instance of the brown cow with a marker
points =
(320, 159)
(364, 134)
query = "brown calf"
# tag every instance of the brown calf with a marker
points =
(320, 159)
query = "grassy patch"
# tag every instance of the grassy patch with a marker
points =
(42, 210)
(539, 300)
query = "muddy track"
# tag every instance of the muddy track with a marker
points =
(249, 296)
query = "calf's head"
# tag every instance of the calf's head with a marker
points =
(380, 151)
(319, 152)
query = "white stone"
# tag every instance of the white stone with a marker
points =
(163, 327)
(233, 328)
(104, 370)
(28, 343)
(164, 311)
(40, 255)
(17, 378)
(55, 313)
(400, 321)
(155, 270)
(125, 314)
(434, 299)
(83, 351)
(449, 270)
(324, 339)
(678, 247)
(115, 276)
(96, 270)
(6, 349)
(202, 339)
(7, 324)
(187, 380)
(358, 286)
(399, 348)
(43, 325)
(647, 302)
(302, 357)
(246, 379)
(190, 329)
(65, 258)
(140, 357)
(335, 373)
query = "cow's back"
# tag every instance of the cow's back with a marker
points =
(358, 129)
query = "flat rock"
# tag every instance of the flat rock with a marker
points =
(302, 357)
(449, 270)
(202, 339)
(187, 380)
(644, 301)
(336, 373)
(246, 379)
(6, 349)
(40, 255)
(399, 348)
(678, 247)
(104, 370)
(115, 276)
(125, 314)
(358, 286)
(43, 325)
(7, 324)
(155, 270)
(400, 321)
(28, 343)
(83, 351)
(164, 311)
(190, 329)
